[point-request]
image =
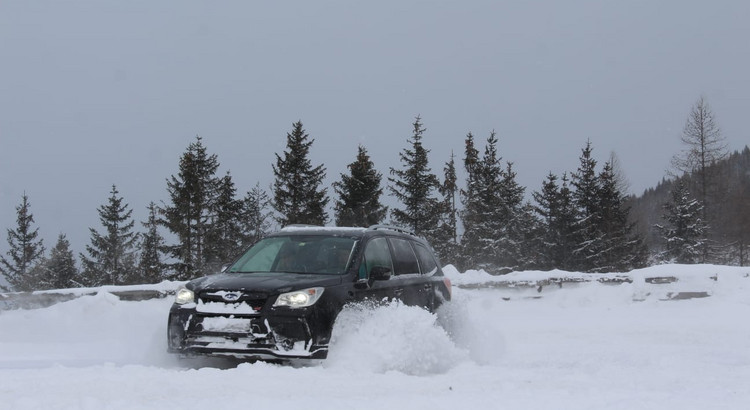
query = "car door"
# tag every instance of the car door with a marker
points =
(408, 283)
(376, 255)
(428, 265)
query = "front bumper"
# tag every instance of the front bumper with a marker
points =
(285, 334)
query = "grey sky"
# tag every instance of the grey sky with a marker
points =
(102, 92)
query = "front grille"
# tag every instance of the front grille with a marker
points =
(253, 300)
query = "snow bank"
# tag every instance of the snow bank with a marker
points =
(664, 282)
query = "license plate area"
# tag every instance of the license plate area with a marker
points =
(222, 324)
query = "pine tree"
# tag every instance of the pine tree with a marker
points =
(621, 248)
(446, 245)
(25, 250)
(193, 194)
(224, 239)
(59, 271)
(297, 192)
(256, 216)
(448, 189)
(469, 199)
(414, 187)
(484, 213)
(531, 237)
(554, 206)
(685, 230)
(511, 237)
(359, 194)
(586, 199)
(151, 267)
(111, 256)
(471, 159)
(565, 222)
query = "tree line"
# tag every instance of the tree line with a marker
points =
(577, 221)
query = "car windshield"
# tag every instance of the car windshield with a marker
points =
(297, 254)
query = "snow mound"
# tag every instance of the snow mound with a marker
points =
(95, 329)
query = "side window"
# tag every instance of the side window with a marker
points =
(405, 261)
(376, 254)
(426, 259)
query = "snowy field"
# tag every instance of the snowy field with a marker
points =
(583, 346)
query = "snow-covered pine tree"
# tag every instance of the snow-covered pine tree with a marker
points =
(189, 214)
(684, 231)
(59, 271)
(414, 187)
(299, 197)
(586, 199)
(111, 256)
(256, 215)
(151, 266)
(359, 194)
(25, 250)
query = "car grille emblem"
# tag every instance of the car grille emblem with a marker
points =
(231, 296)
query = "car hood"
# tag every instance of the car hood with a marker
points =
(267, 282)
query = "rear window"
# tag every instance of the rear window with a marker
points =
(426, 259)
(404, 259)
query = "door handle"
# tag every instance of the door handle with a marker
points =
(398, 292)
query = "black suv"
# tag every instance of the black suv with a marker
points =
(280, 299)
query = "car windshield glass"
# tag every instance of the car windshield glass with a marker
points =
(298, 254)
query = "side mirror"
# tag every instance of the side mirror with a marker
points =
(380, 273)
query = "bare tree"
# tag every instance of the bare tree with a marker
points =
(704, 148)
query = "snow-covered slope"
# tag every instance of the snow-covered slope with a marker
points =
(582, 345)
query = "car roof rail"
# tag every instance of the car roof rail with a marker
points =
(392, 228)
(301, 226)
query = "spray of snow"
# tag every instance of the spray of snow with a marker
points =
(392, 337)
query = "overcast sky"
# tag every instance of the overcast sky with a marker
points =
(102, 92)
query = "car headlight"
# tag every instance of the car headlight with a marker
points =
(300, 298)
(184, 295)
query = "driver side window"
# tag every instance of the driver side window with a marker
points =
(377, 253)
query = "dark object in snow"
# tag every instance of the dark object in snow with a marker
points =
(280, 299)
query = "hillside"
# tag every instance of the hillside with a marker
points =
(729, 209)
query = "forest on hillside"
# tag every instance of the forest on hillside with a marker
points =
(581, 220)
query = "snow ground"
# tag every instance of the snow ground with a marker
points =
(584, 346)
